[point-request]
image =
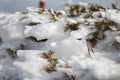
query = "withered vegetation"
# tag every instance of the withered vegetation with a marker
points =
(101, 28)
(96, 7)
(13, 53)
(51, 67)
(54, 15)
(105, 25)
(72, 26)
(76, 10)
(88, 15)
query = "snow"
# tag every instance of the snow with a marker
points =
(44, 31)
(22, 57)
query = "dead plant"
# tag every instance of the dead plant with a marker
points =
(96, 7)
(105, 25)
(76, 10)
(89, 46)
(54, 15)
(72, 26)
(53, 61)
(88, 15)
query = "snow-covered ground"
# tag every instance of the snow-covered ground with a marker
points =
(82, 44)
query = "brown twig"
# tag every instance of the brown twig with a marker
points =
(89, 46)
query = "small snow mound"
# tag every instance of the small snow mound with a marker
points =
(44, 31)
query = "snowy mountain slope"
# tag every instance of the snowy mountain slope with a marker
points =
(78, 42)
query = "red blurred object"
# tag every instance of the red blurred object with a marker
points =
(42, 4)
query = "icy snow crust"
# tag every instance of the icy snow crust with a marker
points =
(70, 47)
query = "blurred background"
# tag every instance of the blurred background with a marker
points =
(10, 6)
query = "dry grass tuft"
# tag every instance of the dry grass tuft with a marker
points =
(105, 25)
(76, 10)
(96, 7)
(54, 15)
(72, 26)
(53, 61)
(88, 15)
